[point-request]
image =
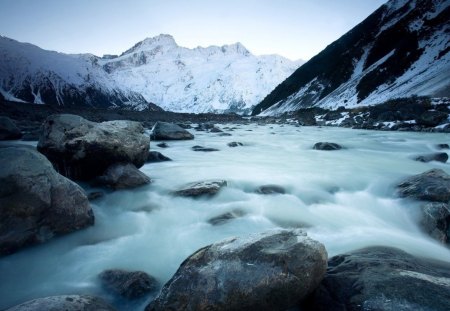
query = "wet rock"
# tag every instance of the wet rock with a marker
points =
(432, 118)
(438, 156)
(122, 176)
(332, 115)
(436, 221)
(8, 129)
(268, 271)
(37, 203)
(170, 131)
(202, 188)
(442, 146)
(204, 149)
(216, 130)
(95, 195)
(155, 156)
(433, 185)
(128, 284)
(270, 189)
(327, 146)
(382, 278)
(162, 145)
(225, 134)
(66, 303)
(81, 149)
(235, 144)
(226, 217)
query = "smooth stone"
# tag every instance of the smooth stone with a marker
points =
(438, 156)
(128, 284)
(162, 145)
(432, 185)
(204, 149)
(37, 203)
(270, 189)
(202, 188)
(235, 144)
(436, 221)
(226, 217)
(169, 131)
(155, 156)
(266, 271)
(327, 146)
(122, 176)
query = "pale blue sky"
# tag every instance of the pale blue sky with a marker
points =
(292, 28)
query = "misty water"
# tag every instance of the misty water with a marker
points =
(345, 199)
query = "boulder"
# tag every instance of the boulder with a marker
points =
(432, 118)
(8, 129)
(382, 278)
(226, 217)
(433, 185)
(437, 156)
(270, 189)
(202, 188)
(37, 203)
(66, 303)
(81, 149)
(436, 221)
(204, 149)
(155, 156)
(169, 131)
(122, 176)
(235, 144)
(327, 146)
(268, 271)
(128, 284)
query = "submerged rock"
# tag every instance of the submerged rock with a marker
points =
(327, 146)
(81, 149)
(8, 129)
(204, 149)
(202, 188)
(128, 284)
(268, 271)
(155, 156)
(226, 217)
(438, 156)
(122, 176)
(235, 144)
(382, 278)
(433, 185)
(169, 131)
(162, 145)
(442, 146)
(270, 189)
(436, 221)
(66, 303)
(37, 203)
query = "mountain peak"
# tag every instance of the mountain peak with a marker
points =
(153, 42)
(237, 47)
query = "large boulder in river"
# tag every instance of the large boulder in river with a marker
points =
(128, 284)
(269, 271)
(8, 129)
(122, 176)
(382, 278)
(66, 303)
(436, 221)
(81, 149)
(433, 185)
(169, 131)
(37, 203)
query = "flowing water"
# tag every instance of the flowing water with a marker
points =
(345, 199)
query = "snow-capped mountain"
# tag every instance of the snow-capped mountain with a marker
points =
(226, 78)
(31, 74)
(156, 70)
(400, 50)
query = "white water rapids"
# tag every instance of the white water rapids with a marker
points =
(345, 199)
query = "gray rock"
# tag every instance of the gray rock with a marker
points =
(436, 221)
(382, 278)
(202, 188)
(204, 149)
(437, 156)
(433, 185)
(8, 129)
(442, 146)
(270, 189)
(81, 149)
(269, 271)
(128, 284)
(235, 144)
(155, 156)
(169, 131)
(225, 134)
(432, 118)
(226, 217)
(162, 145)
(327, 146)
(122, 176)
(64, 303)
(37, 203)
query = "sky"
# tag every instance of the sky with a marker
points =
(296, 29)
